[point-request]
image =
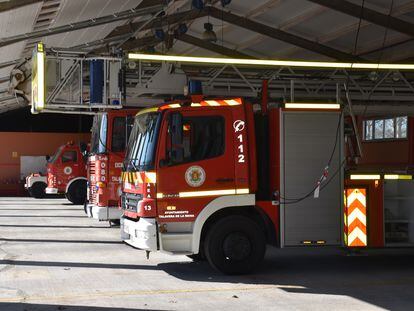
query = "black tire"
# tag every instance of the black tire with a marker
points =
(38, 190)
(77, 192)
(235, 245)
(85, 205)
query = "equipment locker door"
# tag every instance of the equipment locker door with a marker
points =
(307, 143)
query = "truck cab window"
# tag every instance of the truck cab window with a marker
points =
(203, 138)
(119, 134)
(69, 156)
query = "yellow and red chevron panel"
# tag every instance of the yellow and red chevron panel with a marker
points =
(356, 217)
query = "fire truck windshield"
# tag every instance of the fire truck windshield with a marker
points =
(99, 134)
(140, 152)
(54, 157)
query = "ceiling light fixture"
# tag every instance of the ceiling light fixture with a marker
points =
(269, 62)
(209, 34)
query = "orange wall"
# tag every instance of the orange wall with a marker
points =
(16, 144)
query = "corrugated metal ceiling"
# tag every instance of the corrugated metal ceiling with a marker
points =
(299, 17)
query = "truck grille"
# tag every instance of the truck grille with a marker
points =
(129, 201)
(92, 184)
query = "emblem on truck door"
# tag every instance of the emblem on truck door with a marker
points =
(67, 170)
(238, 125)
(195, 176)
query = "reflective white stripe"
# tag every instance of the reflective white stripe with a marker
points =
(365, 177)
(242, 191)
(232, 102)
(312, 106)
(206, 193)
(212, 103)
(151, 177)
(195, 105)
(405, 177)
(192, 194)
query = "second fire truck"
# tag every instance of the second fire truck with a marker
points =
(110, 133)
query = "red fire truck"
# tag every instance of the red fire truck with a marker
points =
(66, 172)
(110, 134)
(212, 179)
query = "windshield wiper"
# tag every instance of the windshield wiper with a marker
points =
(131, 161)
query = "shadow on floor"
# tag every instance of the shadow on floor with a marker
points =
(54, 226)
(381, 279)
(384, 279)
(60, 241)
(42, 307)
(76, 265)
(42, 216)
(39, 209)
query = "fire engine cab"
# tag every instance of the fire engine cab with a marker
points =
(110, 134)
(212, 179)
(66, 172)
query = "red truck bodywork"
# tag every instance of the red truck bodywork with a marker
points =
(203, 179)
(66, 173)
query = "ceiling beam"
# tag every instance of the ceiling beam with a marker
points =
(281, 35)
(211, 46)
(11, 5)
(134, 44)
(261, 9)
(347, 29)
(158, 22)
(372, 16)
(81, 25)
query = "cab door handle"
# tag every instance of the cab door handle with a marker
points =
(225, 179)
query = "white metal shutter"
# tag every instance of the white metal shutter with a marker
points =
(307, 143)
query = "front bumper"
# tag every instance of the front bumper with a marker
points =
(103, 213)
(52, 190)
(141, 234)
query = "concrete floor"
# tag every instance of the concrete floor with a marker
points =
(54, 258)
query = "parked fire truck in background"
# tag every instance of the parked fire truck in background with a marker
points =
(212, 179)
(110, 134)
(66, 172)
(35, 185)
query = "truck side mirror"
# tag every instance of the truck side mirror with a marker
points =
(176, 132)
(47, 158)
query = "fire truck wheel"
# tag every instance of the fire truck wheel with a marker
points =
(38, 190)
(235, 245)
(77, 192)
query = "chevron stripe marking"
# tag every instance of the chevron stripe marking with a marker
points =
(357, 234)
(357, 214)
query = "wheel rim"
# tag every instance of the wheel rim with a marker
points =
(237, 246)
